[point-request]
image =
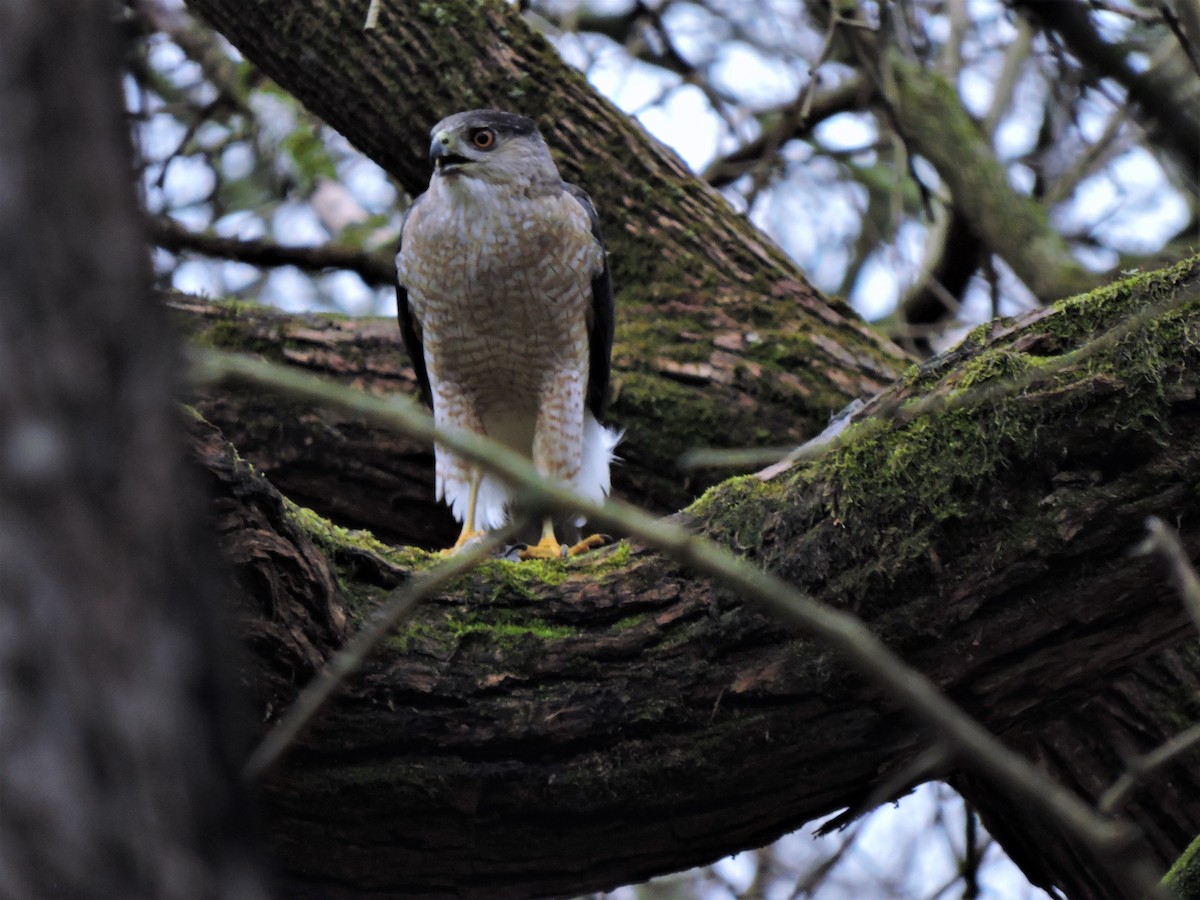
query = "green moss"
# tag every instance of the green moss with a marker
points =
(1183, 879)
(438, 12)
(443, 631)
(236, 329)
(337, 541)
(793, 352)
(991, 365)
(629, 622)
(687, 418)
(650, 337)
(735, 512)
(501, 622)
(897, 487)
(507, 625)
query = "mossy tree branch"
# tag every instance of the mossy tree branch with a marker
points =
(535, 698)
(986, 545)
(965, 741)
(366, 476)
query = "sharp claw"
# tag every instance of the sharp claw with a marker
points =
(551, 549)
(467, 537)
(591, 542)
(543, 551)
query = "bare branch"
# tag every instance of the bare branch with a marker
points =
(1014, 63)
(374, 268)
(1144, 766)
(815, 108)
(1163, 539)
(1185, 25)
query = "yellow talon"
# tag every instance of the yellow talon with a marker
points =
(591, 542)
(549, 547)
(463, 539)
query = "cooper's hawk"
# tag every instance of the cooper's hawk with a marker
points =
(506, 309)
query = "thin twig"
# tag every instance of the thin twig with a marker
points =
(1015, 58)
(1138, 770)
(401, 604)
(974, 746)
(810, 881)
(1185, 29)
(793, 114)
(932, 762)
(1164, 540)
(1098, 154)
(1144, 16)
(971, 853)
(850, 94)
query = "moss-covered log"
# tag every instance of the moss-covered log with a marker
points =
(555, 728)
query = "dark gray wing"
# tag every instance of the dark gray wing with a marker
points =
(600, 336)
(410, 330)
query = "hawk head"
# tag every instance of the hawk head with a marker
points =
(500, 148)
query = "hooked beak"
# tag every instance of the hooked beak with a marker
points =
(442, 155)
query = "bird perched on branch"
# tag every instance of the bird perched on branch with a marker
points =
(506, 310)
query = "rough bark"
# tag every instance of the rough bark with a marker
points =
(543, 729)
(116, 756)
(1086, 746)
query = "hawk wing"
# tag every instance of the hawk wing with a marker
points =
(410, 330)
(600, 329)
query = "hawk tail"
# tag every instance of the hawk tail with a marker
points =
(593, 481)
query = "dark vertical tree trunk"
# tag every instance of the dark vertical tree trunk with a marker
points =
(115, 757)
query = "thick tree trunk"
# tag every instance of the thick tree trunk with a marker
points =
(116, 759)
(555, 729)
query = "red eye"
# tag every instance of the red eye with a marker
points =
(484, 139)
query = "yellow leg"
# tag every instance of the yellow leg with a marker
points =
(549, 547)
(469, 532)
